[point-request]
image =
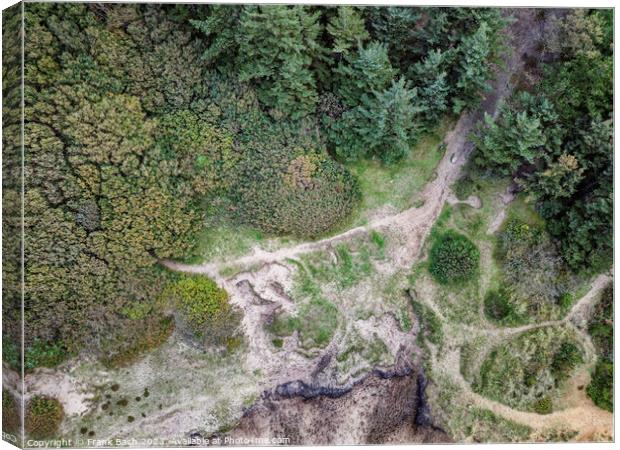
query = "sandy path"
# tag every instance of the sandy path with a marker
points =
(414, 225)
(587, 419)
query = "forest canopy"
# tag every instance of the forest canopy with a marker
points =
(145, 121)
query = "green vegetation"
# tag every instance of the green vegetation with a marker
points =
(601, 388)
(361, 354)
(499, 308)
(147, 124)
(316, 322)
(10, 413)
(43, 416)
(543, 405)
(205, 309)
(467, 422)
(454, 259)
(11, 354)
(535, 281)
(346, 267)
(556, 138)
(526, 371)
(430, 325)
(41, 354)
(152, 334)
(601, 325)
(397, 184)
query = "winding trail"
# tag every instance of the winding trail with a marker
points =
(414, 225)
(590, 421)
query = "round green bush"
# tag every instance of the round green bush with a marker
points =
(200, 299)
(453, 258)
(205, 308)
(543, 405)
(43, 417)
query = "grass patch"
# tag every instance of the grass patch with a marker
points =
(397, 184)
(467, 423)
(10, 413)
(372, 352)
(471, 353)
(430, 325)
(226, 240)
(522, 371)
(348, 264)
(316, 323)
(522, 210)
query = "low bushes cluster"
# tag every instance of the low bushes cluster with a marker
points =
(523, 371)
(601, 387)
(533, 272)
(43, 417)
(565, 359)
(315, 322)
(454, 258)
(543, 405)
(44, 354)
(205, 309)
(152, 332)
(500, 308)
(10, 414)
(601, 329)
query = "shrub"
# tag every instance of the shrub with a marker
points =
(200, 300)
(534, 363)
(206, 310)
(543, 405)
(601, 388)
(566, 358)
(453, 258)
(153, 332)
(464, 187)
(10, 353)
(44, 354)
(10, 414)
(499, 308)
(43, 417)
(533, 270)
(601, 326)
(307, 198)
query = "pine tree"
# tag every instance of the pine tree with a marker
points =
(367, 70)
(430, 76)
(395, 27)
(383, 126)
(394, 113)
(474, 68)
(221, 28)
(347, 29)
(277, 46)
